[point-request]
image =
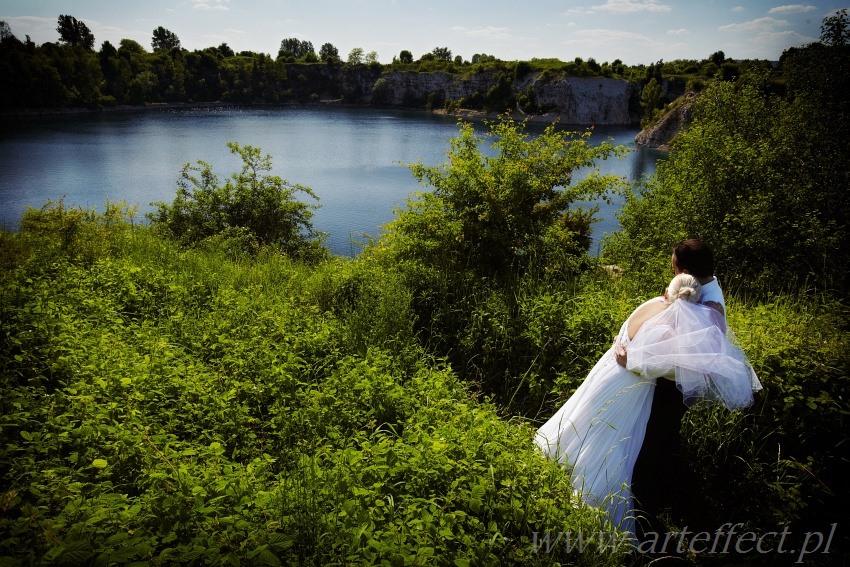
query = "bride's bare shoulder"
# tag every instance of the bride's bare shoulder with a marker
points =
(640, 315)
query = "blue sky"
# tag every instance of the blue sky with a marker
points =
(634, 31)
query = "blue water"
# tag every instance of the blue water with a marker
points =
(353, 159)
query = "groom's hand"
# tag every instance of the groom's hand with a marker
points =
(620, 353)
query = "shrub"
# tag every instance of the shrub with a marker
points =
(261, 204)
(782, 461)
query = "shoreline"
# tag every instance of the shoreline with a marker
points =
(461, 113)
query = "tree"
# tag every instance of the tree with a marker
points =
(483, 58)
(718, 57)
(226, 50)
(493, 216)
(293, 48)
(371, 57)
(758, 179)
(405, 56)
(74, 32)
(355, 56)
(164, 40)
(442, 53)
(251, 203)
(5, 31)
(835, 30)
(328, 52)
(650, 100)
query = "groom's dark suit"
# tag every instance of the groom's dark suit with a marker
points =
(659, 467)
(659, 479)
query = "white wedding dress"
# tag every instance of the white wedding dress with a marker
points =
(599, 431)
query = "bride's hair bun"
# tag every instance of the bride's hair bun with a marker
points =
(684, 287)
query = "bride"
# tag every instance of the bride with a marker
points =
(599, 431)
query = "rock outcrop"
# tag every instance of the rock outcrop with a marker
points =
(661, 134)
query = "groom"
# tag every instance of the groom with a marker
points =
(659, 468)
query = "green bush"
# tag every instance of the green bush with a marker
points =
(493, 215)
(249, 206)
(493, 229)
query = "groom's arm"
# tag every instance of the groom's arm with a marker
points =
(716, 306)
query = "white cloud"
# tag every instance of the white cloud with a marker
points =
(211, 5)
(738, 9)
(489, 31)
(681, 31)
(761, 24)
(630, 6)
(767, 45)
(25, 25)
(623, 7)
(597, 37)
(791, 9)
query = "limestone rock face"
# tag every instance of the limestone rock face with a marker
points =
(573, 100)
(589, 100)
(661, 134)
(569, 100)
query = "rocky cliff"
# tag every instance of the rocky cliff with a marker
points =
(588, 100)
(661, 133)
(547, 96)
(570, 100)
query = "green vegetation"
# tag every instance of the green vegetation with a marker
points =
(491, 247)
(171, 405)
(202, 391)
(252, 208)
(760, 176)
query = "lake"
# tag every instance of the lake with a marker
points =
(353, 159)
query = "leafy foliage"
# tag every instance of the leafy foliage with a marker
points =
(250, 205)
(783, 462)
(328, 52)
(491, 240)
(173, 406)
(164, 39)
(493, 215)
(74, 32)
(759, 179)
(835, 29)
(294, 48)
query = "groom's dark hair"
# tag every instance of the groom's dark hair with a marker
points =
(694, 257)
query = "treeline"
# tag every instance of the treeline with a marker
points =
(71, 74)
